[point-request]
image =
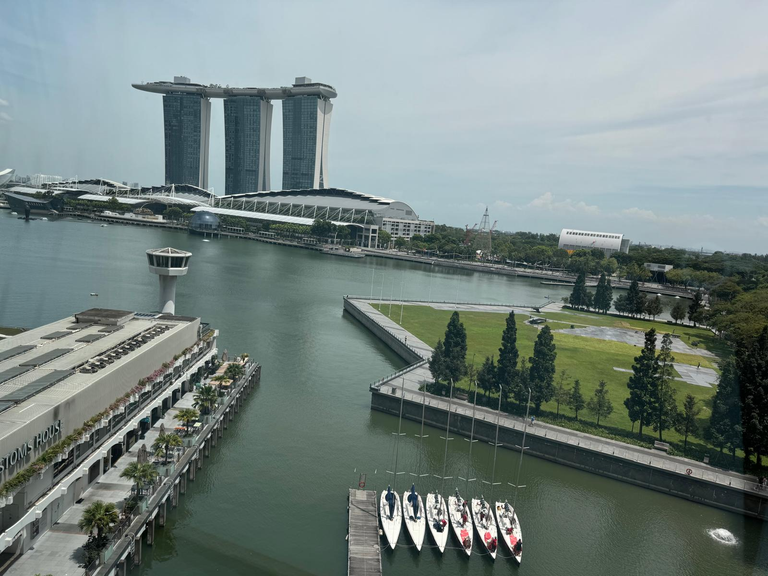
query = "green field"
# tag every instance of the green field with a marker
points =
(587, 359)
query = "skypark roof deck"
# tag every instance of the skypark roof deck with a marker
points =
(216, 91)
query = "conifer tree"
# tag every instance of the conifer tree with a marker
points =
(576, 401)
(696, 308)
(643, 383)
(542, 371)
(664, 403)
(752, 364)
(724, 430)
(578, 294)
(508, 356)
(686, 423)
(486, 377)
(603, 294)
(455, 353)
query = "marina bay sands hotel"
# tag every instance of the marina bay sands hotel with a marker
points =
(247, 132)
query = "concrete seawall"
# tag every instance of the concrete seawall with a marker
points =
(583, 458)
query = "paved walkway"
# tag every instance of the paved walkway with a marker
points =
(410, 380)
(59, 551)
(633, 338)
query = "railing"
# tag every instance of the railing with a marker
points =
(379, 383)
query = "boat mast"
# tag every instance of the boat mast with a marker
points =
(471, 441)
(522, 449)
(495, 445)
(447, 430)
(397, 440)
(421, 436)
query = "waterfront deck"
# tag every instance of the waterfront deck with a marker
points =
(364, 551)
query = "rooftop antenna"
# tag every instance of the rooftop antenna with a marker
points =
(168, 263)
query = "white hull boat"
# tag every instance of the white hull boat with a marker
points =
(485, 523)
(413, 515)
(437, 519)
(391, 516)
(510, 530)
(461, 521)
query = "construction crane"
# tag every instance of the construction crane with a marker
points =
(490, 238)
(469, 233)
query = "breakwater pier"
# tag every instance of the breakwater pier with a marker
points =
(650, 469)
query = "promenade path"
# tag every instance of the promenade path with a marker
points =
(412, 379)
(59, 551)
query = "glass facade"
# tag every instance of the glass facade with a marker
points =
(242, 142)
(186, 139)
(299, 142)
(306, 120)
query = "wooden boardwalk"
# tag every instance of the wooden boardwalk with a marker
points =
(364, 551)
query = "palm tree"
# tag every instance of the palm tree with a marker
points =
(221, 378)
(205, 398)
(244, 356)
(140, 473)
(99, 516)
(234, 372)
(166, 442)
(187, 416)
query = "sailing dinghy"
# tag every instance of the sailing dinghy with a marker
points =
(413, 514)
(461, 521)
(485, 524)
(437, 518)
(391, 516)
(510, 530)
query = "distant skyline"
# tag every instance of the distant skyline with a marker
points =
(649, 119)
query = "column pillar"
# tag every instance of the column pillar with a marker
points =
(137, 551)
(151, 532)
(183, 483)
(221, 429)
(121, 567)
(199, 459)
(175, 495)
(214, 435)
(161, 513)
(192, 469)
(207, 447)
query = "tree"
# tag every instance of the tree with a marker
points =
(384, 238)
(205, 398)
(635, 299)
(234, 371)
(400, 242)
(724, 430)
(622, 304)
(600, 405)
(523, 381)
(99, 516)
(173, 213)
(664, 403)
(643, 383)
(542, 371)
(220, 379)
(696, 308)
(437, 362)
(654, 307)
(603, 294)
(322, 228)
(113, 203)
(679, 310)
(578, 294)
(576, 400)
(140, 474)
(165, 441)
(686, 423)
(186, 416)
(455, 345)
(752, 364)
(508, 356)
(486, 378)
(562, 392)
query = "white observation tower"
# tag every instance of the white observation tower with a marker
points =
(168, 263)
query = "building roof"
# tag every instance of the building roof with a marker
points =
(169, 251)
(338, 197)
(6, 175)
(217, 91)
(262, 216)
(589, 239)
(107, 198)
(56, 370)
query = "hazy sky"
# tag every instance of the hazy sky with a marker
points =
(647, 118)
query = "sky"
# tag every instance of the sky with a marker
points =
(643, 118)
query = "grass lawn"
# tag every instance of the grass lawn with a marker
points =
(587, 359)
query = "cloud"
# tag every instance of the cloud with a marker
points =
(547, 202)
(763, 221)
(502, 205)
(690, 220)
(5, 117)
(4, 102)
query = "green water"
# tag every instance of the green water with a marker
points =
(272, 497)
